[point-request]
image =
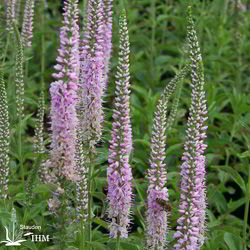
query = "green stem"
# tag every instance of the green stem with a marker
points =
(43, 47)
(85, 7)
(246, 210)
(152, 38)
(82, 235)
(238, 44)
(26, 69)
(13, 230)
(118, 240)
(62, 217)
(90, 172)
(20, 150)
(6, 48)
(32, 179)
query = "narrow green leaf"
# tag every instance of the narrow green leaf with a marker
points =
(233, 241)
(245, 154)
(142, 142)
(97, 245)
(29, 245)
(55, 247)
(220, 202)
(129, 246)
(99, 195)
(44, 188)
(101, 222)
(234, 175)
(233, 205)
(175, 148)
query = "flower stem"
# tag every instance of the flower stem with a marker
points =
(26, 69)
(6, 48)
(42, 46)
(82, 235)
(118, 240)
(63, 217)
(20, 150)
(246, 210)
(152, 39)
(90, 199)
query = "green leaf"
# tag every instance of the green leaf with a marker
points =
(101, 196)
(233, 205)
(142, 91)
(220, 202)
(175, 148)
(142, 142)
(227, 229)
(101, 222)
(213, 224)
(161, 18)
(29, 245)
(4, 214)
(123, 246)
(20, 197)
(162, 60)
(97, 245)
(217, 239)
(245, 154)
(55, 247)
(129, 246)
(44, 188)
(234, 175)
(233, 241)
(36, 209)
(172, 175)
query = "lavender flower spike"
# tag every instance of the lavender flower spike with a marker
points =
(107, 45)
(63, 93)
(119, 170)
(157, 217)
(91, 75)
(27, 28)
(10, 14)
(190, 228)
(82, 183)
(4, 139)
(19, 79)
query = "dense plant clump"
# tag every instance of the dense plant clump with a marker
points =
(117, 132)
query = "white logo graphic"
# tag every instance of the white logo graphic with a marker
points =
(14, 233)
(15, 237)
(15, 240)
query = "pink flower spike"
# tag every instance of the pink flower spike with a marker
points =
(64, 98)
(157, 174)
(91, 75)
(107, 41)
(119, 170)
(191, 225)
